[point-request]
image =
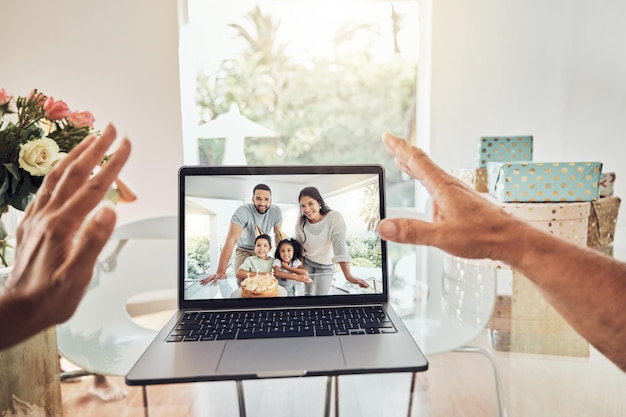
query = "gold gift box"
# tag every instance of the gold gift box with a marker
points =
(607, 249)
(475, 178)
(523, 321)
(602, 221)
(536, 327)
(501, 318)
(566, 220)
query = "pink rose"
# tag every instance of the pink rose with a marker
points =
(81, 119)
(55, 109)
(5, 97)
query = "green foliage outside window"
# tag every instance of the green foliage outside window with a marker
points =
(325, 111)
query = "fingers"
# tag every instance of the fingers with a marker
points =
(407, 231)
(75, 169)
(212, 279)
(109, 173)
(90, 241)
(51, 179)
(414, 161)
(69, 183)
(88, 192)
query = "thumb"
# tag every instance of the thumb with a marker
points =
(406, 231)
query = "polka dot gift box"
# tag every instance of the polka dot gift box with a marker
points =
(544, 181)
(475, 178)
(504, 149)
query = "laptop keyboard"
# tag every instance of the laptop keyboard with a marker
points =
(333, 321)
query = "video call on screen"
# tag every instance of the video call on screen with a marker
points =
(211, 200)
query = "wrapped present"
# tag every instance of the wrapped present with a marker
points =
(536, 327)
(501, 317)
(607, 250)
(503, 149)
(566, 220)
(544, 181)
(607, 182)
(525, 322)
(475, 178)
(602, 221)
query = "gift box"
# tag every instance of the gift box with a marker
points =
(501, 317)
(566, 220)
(529, 324)
(503, 149)
(523, 321)
(602, 221)
(475, 178)
(607, 250)
(544, 181)
(607, 182)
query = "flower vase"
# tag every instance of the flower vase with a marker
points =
(30, 374)
(36, 131)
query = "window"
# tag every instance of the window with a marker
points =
(299, 82)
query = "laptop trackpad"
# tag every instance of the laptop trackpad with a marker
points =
(281, 357)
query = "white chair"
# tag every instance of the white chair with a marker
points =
(454, 303)
(138, 267)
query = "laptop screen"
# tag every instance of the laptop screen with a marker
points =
(324, 218)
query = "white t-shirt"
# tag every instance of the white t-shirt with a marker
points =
(295, 263)
(248, 217)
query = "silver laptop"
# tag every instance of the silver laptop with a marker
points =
(218, 335)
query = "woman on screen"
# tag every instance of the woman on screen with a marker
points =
(322, 233)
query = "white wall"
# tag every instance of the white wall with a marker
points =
(116, 58)
(554, 69)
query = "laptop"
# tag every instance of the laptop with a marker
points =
(216, 335)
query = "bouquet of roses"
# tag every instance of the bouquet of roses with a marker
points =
(36, 132)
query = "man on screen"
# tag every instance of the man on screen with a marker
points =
(248, 220)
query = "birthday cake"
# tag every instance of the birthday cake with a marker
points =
(259, 285)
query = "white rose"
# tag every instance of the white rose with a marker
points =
(39, 156)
